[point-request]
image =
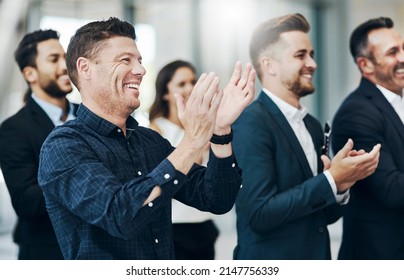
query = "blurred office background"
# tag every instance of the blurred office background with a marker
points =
(213, 34)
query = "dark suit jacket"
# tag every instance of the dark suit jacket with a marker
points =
(282, 210)
(373, 225)
(21, 138)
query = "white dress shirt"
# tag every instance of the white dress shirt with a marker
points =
(55, 113)
(395, 100)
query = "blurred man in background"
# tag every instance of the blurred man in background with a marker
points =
(373, 226)
(41, 59)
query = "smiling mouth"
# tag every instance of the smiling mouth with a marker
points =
(400, 71)
(64, 78)
(308, 76)
(132, 86)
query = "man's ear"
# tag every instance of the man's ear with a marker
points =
(83, 68)
(268, 65)
(365, 65)
(30, 74)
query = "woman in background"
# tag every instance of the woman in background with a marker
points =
(194, 231)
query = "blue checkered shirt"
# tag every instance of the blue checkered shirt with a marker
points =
(95, 181)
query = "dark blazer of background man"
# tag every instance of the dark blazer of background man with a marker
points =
(373, 113)
(41, 59)
(287, 201)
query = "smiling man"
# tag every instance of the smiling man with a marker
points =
(373, 225)
(287, 199)
(108, 183)
(41, 59)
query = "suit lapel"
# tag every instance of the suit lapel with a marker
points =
(317, 138)
(39, 117)
(378, 99)
(287, 131)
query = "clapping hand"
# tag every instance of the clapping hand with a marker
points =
(237, 94)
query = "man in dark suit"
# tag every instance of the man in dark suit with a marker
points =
(287, 201)
(41, 59)
(373, 225)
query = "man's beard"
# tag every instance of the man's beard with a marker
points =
(384, 77)
(296, 87)
(53, 89)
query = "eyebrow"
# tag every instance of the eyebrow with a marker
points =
(393, 49)
(311, 52)
(127, 54)
(55, 55)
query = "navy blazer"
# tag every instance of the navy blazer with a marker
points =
(373, 226)
(282, 210)
(21, 138)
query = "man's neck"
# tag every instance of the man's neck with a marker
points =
(396, 90)
(117, 119)
(287, 96)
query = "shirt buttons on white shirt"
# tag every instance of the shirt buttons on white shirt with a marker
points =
(150, 204)
(175, 182)
(156, 240)
(233, 165)
(167, 176)
(139, 173)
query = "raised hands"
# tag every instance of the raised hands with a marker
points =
(349, 166)
(198, 113)
(237, 94)
(210, 110)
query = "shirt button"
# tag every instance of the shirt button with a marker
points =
(119, 131)
(241, 186)
(167, 176)
(156, 240)
(150, 204)
(139, 173)
(175, 182)
(321, 229)
(233, 165)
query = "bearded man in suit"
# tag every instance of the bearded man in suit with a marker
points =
(373, 225)
(41, 59)
(289, 194)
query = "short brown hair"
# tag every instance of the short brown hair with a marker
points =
(268, 33)
(89, 39)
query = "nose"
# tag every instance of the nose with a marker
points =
(62, 64)
(401, 56)
(310, 62)
(188, 88)
(138, 69)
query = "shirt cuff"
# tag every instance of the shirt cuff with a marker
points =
(340, 198)
(167, 177)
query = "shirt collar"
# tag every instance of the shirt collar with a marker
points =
(103, 126)
(55, 113)
(389, 95)
(290, 112)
